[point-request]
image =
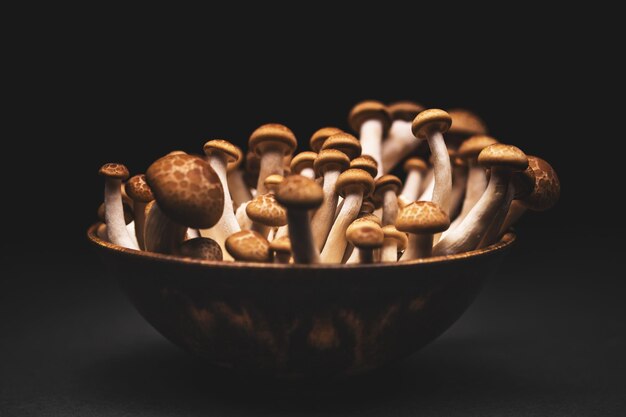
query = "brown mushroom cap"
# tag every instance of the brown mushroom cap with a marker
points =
(345, 143)
(386, 183)
(233, 153)
(368, 110)
(138, 189)
(365, 234)
(201, 248)
(354, 180)
(320, 136)
(272, 136)
(330, 159)
(464, 122)
(401, 238)
(415, 163)
(114, 170)
(422, 217)
(177, 152)
(281, 245)
(430, 120)
(369, 218)
(505, 156)
(248, 246)
(470, 148)
(272, 182)
(404, 110)
(187, 189)
(547, 187)
(303, 160)
(366, 163)
(128, 213)
(299, 192)
(265, 209)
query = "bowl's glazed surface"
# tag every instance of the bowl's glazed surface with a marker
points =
(300, 320)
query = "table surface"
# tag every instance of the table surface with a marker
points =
(545, 337)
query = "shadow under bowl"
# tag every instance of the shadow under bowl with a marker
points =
(300, 321)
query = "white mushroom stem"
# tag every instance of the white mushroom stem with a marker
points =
(371, 137)
(242, 217)
(192, 233)
(468, 234)
(139, 213)
(412, 185)
(324, 217)
(281, 231)
(399, 144)
(442, 170)
(419, 246)
(459, 182)
(336, 243)
(389, 251)
(162, 235)
(302, 246)
(308, 172)
(429, 187)
(271, 163)
(114, 215)
(352, 255)
(132, 233)
(493, 233)
(238, 188)
(390, 207)
(476, 185)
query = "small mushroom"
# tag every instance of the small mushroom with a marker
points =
(281, 249)
(431, 124)
(415, 169)
(113, 175)
(386, 192)
(365, 236)
(464, 125)
(201, 248)
(422, 220)
(139, 191)
(302, 164)
(319, 137)
(400, 142)
(352, 256)
(271, 142)
(502, 160)
(248, 246)
(372, 121)
(352, 185)
(366, 163)
(395, 243)
(299, 195)
(343, 142)
(265, 213)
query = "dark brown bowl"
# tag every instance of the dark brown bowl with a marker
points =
(300, 320)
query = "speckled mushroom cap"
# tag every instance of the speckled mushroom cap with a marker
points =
(330, 160)
(404, 110)
(368, 110)
(401, 238)
(201, 248)
(369, 218)
(365, 234)
(248, 246)
(253, 163)
(415, 163)
(345, 143)
(272, 136)
(464, 122)
(470, 148)
(138, 189)
(272, 182)
(187, 189)
(303, 160)
(319, 137)
(299, 192)
(233, 153)
(177, 152)
(354, 180)
(281, 245)
(422, 217)
(366, 163)
(114, 170)
(431, 120)
(504, 156)
(386, 183)
(128, 213)
(265, 209)
(547, 187)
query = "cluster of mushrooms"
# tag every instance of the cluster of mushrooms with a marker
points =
(338, 202)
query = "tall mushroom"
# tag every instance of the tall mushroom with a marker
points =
(502, 160)
(371, 119)
(302, 164)
(329, 164)
(422, 220)
(343, 142)
(299, 195)
(365, 236)
(431, 124)
(386, 192)
(394, 243)
(271, 142)
(201, 248)
(113, 175)
(400, 142)
(415, 169)
(139, 191)
(319, 137)
(248, 246)
(188, 193)
(352, 185)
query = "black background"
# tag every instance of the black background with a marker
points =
(546, 336)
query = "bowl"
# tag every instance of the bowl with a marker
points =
(300, 321)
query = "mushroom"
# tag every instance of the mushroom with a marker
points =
(265, 212)
(352, 185)
(113, 175)
(365, 236)
(299, 195)
(319, 137)
(128, 213)
(188, 193)
(201, 248)
(372, 121)
(329, 164)
(422, 220)
(366, 163)
(431, 124)
(400, 142)
(281, 249)
(352, 256)
(464, 125)
(502, 160)
(248, 246)
(343, 142)
(139, 191)
(394, 243)
(239, 190)
(386, 192)
(415, 169)
(302, 164)
(271, 142)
